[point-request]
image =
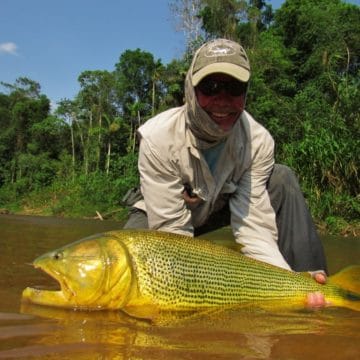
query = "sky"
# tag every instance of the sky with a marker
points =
(53, 41)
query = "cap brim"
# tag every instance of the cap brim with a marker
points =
(233, 70)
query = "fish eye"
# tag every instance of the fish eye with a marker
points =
(58, 256)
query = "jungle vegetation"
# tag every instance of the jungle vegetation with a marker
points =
(82, 157)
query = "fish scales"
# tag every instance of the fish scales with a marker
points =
(142, 270)
(200, 272)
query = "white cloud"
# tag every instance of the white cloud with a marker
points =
(8, 48)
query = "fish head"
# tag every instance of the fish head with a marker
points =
(92, 273)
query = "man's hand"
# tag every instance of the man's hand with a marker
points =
(319, 276)
(192, 201)
(317, 299)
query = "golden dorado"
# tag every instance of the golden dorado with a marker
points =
(143, 272)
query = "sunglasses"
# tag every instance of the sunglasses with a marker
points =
(210, 87)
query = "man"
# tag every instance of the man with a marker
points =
(209, 163)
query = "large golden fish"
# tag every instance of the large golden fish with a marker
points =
(143, 272)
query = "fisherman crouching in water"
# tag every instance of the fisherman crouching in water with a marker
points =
(208, 164)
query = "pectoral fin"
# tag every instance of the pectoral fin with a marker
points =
(143, 311)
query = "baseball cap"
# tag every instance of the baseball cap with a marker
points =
(221, 56)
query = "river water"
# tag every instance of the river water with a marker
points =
(31, 332)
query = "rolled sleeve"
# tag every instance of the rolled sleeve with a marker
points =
(252, 216)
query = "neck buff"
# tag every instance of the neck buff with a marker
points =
(206, 133)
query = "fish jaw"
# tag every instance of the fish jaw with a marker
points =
(59, 298)
(54, 298)
(45, 297)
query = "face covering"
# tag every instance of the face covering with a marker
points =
(206, 133)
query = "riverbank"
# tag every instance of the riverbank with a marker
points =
(333, 225)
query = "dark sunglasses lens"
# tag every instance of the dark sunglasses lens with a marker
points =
(212, 87)
(209, 87)
(235, 88)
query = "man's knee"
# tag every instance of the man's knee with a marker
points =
(283, 176)
(282, 186)
(137, 220)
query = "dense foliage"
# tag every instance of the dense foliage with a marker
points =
(305, 58)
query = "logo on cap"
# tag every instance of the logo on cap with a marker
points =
(220, 50)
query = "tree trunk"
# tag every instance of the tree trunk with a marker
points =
(72, 149)
(98, 148)
(108, 158)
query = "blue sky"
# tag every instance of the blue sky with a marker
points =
(53, 41)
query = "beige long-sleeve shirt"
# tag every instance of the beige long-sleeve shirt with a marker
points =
(168, 160)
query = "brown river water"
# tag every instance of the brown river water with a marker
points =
(30, 332)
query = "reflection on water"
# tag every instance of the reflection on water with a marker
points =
(28, 331)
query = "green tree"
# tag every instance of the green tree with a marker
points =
(238, 20)
(50, 135)
(97, 98)
(272, 86)
(6, 136)
(136, 75)
(323, 130)
(322, 34)
(25, 107)
(220, 17)
(173, 78)
(67, 111)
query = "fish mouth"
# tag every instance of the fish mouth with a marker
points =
(53, 294)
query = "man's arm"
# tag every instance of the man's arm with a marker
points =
(252, 216)
(162, 189)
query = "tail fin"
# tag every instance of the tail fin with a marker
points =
(349, 280)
